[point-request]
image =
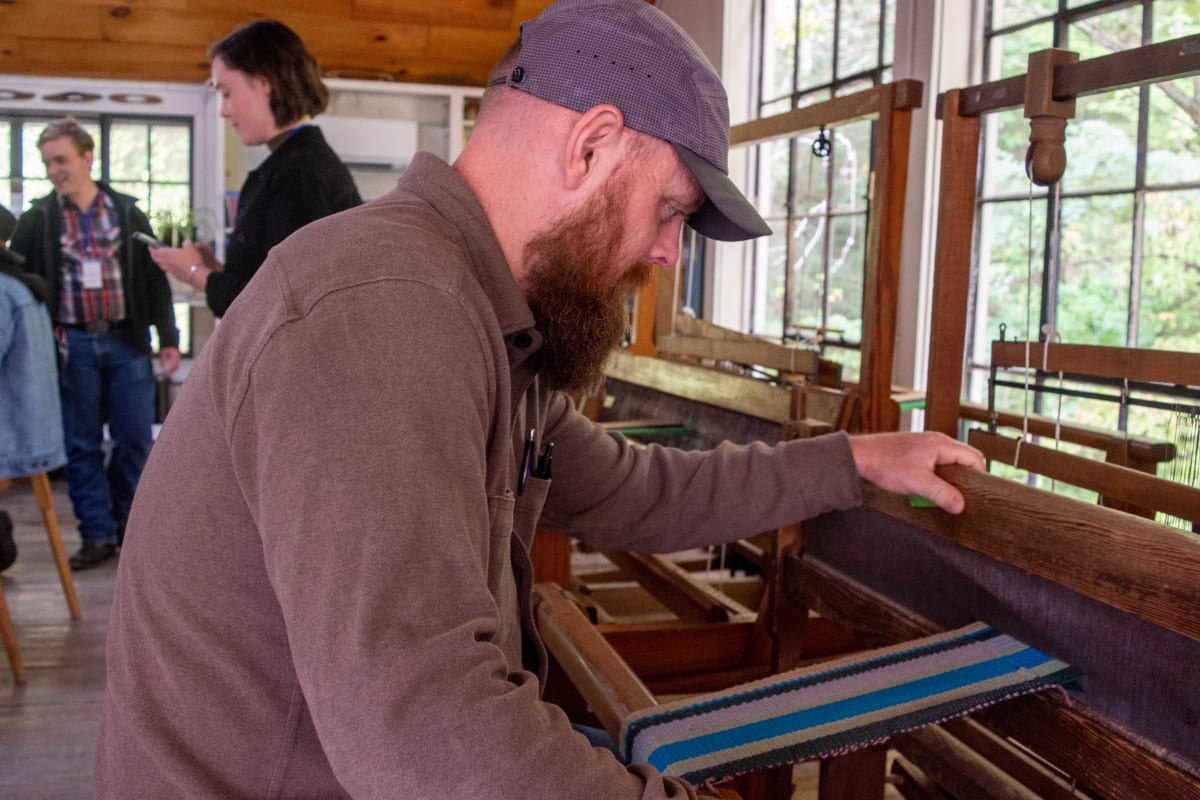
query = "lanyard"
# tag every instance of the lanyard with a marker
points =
(85, 226)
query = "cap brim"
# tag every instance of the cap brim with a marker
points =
(727, 215)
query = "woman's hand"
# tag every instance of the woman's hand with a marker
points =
(187, 263)
(168, 359)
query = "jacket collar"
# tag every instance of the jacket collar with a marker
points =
(439, 184)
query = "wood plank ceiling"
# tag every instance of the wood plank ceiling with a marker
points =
(421, 41)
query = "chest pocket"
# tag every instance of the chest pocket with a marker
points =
(513, 520)
(512, 517)
(529, 509)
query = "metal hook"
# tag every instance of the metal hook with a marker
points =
(822, 146)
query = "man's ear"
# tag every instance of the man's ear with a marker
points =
(593, 142)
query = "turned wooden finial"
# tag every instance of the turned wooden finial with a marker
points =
(1046, 158)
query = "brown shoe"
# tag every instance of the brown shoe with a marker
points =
(92, 554)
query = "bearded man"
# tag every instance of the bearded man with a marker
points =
(325, 591)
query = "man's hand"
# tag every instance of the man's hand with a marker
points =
(904, 462)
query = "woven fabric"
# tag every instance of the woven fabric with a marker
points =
(837, 706)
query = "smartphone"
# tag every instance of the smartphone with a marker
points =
(147, 239)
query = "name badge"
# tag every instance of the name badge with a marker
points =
(91, 274)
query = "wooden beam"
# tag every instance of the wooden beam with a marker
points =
(958, 769)
(1033, 773)
(952, 268)
(1123, 561)
(761, 353)
(881, 283)
(677, 589)
(660, 651)
(870, 617)
(1111, 481)
(656, 650)
(911, 783)
(731, 392)
(645, 314)
(1097, 758)
(1168, 367)
(124, 60)
(493, 14)
(611, 689)
(1121, 448)
(1157, 62)
(838, 111)
(857, 775)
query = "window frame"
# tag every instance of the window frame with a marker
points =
(757, 265)
(1050, 240)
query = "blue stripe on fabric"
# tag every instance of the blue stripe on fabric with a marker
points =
(851, 738)
(849, 708)
(942, 643)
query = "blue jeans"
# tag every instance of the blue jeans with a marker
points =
(105, 380)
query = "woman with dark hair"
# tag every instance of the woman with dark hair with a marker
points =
(270, 87)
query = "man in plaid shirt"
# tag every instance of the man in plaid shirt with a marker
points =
(105, 292)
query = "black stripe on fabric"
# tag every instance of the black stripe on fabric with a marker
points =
(872, 733)
(952, 642)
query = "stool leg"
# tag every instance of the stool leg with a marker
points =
(45, 500)
(9, 635)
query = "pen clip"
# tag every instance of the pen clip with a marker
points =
(527, 464)
(543, 463)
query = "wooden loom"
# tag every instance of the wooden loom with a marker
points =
(1016, 554)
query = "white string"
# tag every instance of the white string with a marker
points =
(1025, 397)
(1053, 335)
(1028, 325)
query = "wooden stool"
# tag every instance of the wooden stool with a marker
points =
(45, 501)
(9, 635)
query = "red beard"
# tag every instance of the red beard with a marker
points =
(580, 309)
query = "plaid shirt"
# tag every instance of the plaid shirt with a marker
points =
(92, 234)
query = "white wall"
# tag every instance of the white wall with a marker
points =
(725, 38)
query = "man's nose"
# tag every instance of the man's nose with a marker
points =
(666, 247)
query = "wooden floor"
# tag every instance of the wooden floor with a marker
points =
(48, 726)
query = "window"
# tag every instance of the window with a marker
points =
(807, 276)
(148, 158)
(1108, 255)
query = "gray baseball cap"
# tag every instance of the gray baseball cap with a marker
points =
(583, 53)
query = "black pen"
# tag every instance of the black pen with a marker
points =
(526, 462)
(543, 464)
